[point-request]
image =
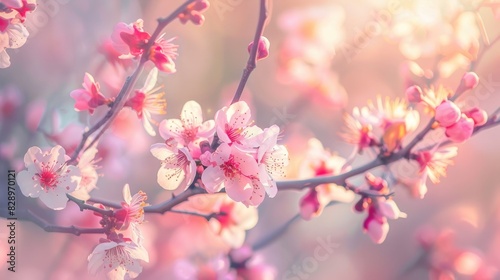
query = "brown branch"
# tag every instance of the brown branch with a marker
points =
(174, 201)
(55, 228)
(85, 206)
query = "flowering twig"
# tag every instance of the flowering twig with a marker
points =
(174, 201)
(104, 123)
(252, 59)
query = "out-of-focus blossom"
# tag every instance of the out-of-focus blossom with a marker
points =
(233, 220)
(117, 260)
(379, 209)
(433, 163)
(262, 48)
(479, 116)
(461, 130)
(447, 113)
(193, 12)
(89, 97)
(147, 101)
(34, 114)
(69, 137)
(13, 35)
(10, 100)
(216, 268)
(190, 128)
(48, 176)
(429, 28)
(88, 172)
(318, 162)
(178, 169)
(358, 130)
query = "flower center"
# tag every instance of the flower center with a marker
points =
(230, 167)
(48, 179)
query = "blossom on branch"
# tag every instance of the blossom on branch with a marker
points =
(88, 172)
(48, 176)
(132, 211)
(89, 97)
(178, 169)
(190, 128)
(117, 259)
(147, 101)
(130, 40)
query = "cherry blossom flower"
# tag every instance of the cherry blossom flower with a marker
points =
(234, 170)
(317, 162)
(434, 163)
(88, 172)
(461, 130)
(117, 260)
(130, 40)
(235, 219)
(48, 177)
(193, 12)
(89, 97)
(233, 123)
(13, 35)
(447, 113)
(11, 99)
(271, 158)
(178, 169)
(147, 101)
(132, 211)
(190, 128)
(357, 130)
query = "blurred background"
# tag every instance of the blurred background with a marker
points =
(326, 57)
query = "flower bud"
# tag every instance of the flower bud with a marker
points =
(470, 80)
(447, 113)
(262, 49)
(414, 94)
(479, 116)
(461, 131)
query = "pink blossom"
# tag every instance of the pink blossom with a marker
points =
(148, 101)
(193, 12)
(162, 54)
(234, 170)
(129, 39)
(434, 163)
(132, 211)
(461, 130)
(470, 80)
(479, 116)
(13, 35)
(178, 169)
(233, 123)
(48, 177)
(233, 222)
(262, 48)
(117, 260)
(10, 100)
(89, 97)
(317, 162)
(189, 128)
(447, 113)
(414, 94)
(88, 172)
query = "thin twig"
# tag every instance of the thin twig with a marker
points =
(85, 206)
(54, 228)
(252, 59)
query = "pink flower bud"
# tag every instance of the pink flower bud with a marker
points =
(309, 205)
(414, 94)
(447, 113)
(470, 80)
(376, 229)
(460, 131)
(263, 48)
(241, 255)
(479, 116)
